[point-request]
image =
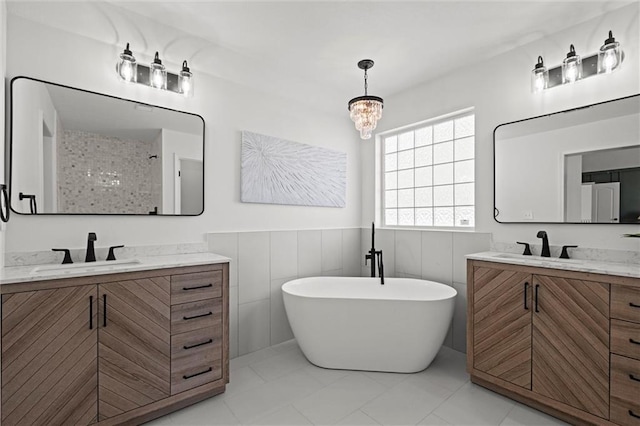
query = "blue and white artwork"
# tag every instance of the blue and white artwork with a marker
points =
(277, 171)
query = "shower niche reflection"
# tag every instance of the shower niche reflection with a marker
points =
(79, 152)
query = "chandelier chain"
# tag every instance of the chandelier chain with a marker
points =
(366, 83)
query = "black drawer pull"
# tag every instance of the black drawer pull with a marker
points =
(205, 372)
(632, 377)
(197, 287)
(632, 414)
(536, 301)
(526, 286)
(198, 344)
(90, 312)
(198, 316)
(635, 342)
(633, 305)
(104, 313)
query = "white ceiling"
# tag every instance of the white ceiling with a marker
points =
(308, 50)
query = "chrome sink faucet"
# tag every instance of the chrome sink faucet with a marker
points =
(545, 244)
(91, 253)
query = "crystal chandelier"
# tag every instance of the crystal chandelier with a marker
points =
(365, 111)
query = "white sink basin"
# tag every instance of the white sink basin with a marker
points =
(85, 267)
(538, 258)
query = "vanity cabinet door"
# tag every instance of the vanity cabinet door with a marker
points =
(133, 344)
(571, 342)
(49, 357)
(502, 324)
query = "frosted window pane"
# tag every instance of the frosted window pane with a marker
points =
(405, 159)
(405, 198)
(424, 156)
(424, 176)
(405, 217)
(391, 199)
(443, 153)
(424, 217)
(443, 216)
(464, 194)
(391, 162)
(405, 179)
(465, 126)
(390, 144)
(391, 180)
(391, 216)
(464, 171)
(405, 141)
(443, 174)
(443, 195)
(424, 136)
(443, 132)
(424, 197)
(464, 149)
(465, 216)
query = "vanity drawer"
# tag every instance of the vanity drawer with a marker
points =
(625, 303)
(625, 338)
(625, 390)
(195, 286)
(196, 358)
(196, 315)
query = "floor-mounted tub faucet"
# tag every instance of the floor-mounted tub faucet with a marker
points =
(375, 255)
(545, 244)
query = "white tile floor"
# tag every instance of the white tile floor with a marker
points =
(278, 386)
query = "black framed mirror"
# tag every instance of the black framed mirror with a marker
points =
(73, 151)
(576, 166)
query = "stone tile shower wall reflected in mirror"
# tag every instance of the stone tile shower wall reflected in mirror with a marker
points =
(576, 166)
(79, 152)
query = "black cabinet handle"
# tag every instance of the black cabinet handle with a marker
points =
(635, 342)
(104, 311)
(198, 316)
(632, 414)
(632, 377)
(536, 301)
(633, 305)
(526, 286)
(198, 344)
(90, 312)
(197, 374)
(198, 287)
(5, 209)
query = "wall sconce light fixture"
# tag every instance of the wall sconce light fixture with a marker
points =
(365, 111)
(155, 74)
(574, 67)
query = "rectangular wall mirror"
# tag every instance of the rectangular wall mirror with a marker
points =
(78, 152)
(575, 166)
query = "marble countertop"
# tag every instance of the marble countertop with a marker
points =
(22, 274)
(579, 265)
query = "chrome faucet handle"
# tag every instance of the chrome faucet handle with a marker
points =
(67, 255)
(527, 248)
(565, 253)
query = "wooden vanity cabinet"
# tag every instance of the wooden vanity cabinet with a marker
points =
(542, 336)
(111, 349)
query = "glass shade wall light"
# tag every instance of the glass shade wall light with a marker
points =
(155, 74)
(574, 67)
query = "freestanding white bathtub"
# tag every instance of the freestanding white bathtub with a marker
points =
(359, 324)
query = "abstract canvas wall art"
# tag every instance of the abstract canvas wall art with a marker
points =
(277, 171)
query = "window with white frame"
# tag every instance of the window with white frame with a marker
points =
(429, 174)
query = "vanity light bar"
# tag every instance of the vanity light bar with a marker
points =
(574, 68)
(155, 74)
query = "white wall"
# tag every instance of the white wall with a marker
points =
(41, 52)
(610, 160)
(499, 89)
